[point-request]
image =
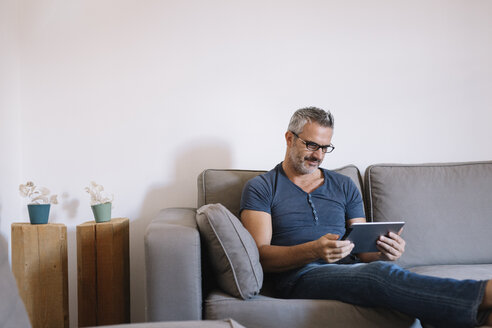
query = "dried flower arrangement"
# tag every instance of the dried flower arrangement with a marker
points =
(37, 195)
(98, 196)
(101, 202)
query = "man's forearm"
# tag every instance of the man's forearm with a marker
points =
(283, 258)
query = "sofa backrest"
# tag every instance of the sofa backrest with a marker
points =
(226, 186)
(447, 209)
(223, 186)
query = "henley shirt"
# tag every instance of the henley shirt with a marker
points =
(299, 217)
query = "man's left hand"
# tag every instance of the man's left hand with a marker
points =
(391, 246)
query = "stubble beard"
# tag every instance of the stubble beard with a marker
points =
(298, 160)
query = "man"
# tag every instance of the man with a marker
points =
(297, 212)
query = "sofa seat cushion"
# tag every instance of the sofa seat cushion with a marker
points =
(460, 272)
(263, 311)
(226, 323)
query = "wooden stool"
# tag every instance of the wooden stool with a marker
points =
(39, 264)
(103, 272)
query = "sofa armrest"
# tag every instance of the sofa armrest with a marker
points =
(173, 266)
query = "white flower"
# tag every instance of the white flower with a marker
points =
(98, 196)
(36, 195)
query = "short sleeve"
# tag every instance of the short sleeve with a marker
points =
(256, 196)
(354, 206)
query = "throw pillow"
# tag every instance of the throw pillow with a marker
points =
(232, 251)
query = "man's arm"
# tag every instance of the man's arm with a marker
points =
(390, 247)
(282, 258)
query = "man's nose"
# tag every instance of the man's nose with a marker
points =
(318, 153)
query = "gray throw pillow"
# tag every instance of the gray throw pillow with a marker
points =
(232, 251)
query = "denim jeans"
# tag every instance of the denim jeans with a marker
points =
(436, 301)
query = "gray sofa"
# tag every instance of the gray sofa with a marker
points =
(448, 214)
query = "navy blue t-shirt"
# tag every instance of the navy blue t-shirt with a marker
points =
(299, 217)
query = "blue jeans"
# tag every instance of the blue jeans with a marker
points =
(437, 301)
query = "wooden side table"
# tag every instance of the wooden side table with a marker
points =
(103, 272)
(39, 264)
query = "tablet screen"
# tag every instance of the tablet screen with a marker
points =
(364, 235)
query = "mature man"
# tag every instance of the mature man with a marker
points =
(297, 212)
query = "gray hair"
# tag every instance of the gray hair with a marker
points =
(310, 115)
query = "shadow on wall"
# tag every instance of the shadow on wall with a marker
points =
(181, 191)
(70, 206)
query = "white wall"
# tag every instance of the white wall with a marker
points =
(141, 96)
(10, 142)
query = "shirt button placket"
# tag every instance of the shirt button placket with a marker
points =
(315, 214)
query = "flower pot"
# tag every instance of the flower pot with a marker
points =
(102, 212)
(38, 213)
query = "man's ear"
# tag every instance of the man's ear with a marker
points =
(289, 138)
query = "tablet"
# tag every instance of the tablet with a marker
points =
(364, 235)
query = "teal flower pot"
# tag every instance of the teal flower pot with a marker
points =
(38, 213)
(102, 212)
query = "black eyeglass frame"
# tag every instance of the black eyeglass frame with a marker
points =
(313, 146)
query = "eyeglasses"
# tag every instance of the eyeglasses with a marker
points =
(313, 146)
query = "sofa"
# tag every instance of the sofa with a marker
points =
(447, 208)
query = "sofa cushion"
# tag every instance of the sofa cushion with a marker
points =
(460, 272)
(447, 209)
(268, 312)
(225, 323)
(232, 251)
(224, 187)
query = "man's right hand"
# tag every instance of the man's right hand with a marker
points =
(330, 249)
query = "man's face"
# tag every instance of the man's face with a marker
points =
(303, 160)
